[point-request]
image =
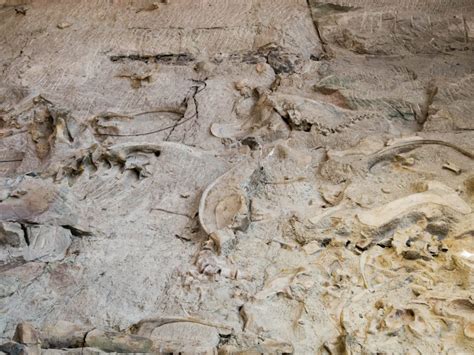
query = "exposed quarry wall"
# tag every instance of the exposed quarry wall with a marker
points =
(273, 176)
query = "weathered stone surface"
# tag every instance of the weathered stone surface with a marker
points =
(16, 276)
(13, 348)
(47, 243)
(12, 234)
(238, 175)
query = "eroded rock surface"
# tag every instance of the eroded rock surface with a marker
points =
(269, 176)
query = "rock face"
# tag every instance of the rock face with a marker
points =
(11, 234)
(262, 176)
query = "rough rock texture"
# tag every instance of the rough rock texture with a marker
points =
(273, 176)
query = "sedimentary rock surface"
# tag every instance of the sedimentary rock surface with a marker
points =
(269, 176)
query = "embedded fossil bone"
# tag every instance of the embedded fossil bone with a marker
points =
(409, 144)
(452, 167)
(437, 193)
(296, 100)
(225, 188)
(267, 346)
(146, 326)
(280, 283)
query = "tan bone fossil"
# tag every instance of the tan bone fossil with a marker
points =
(123, 152)
(282, 283)
(223, 207)
(436, 193)
(224, 198)
(220, 206)
(267, 346)
(408, 144)
(264, 117)
(146, 326)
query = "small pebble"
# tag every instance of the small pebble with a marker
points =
(63, 25)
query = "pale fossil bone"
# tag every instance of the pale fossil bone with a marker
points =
(437, 193)
(280, 283)
(409, 144)
(146, 326)
(452, 167)
(220, 190)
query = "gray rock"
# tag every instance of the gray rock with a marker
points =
(14, 348)
(8, 285)
(11, 234)
(47, 243)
